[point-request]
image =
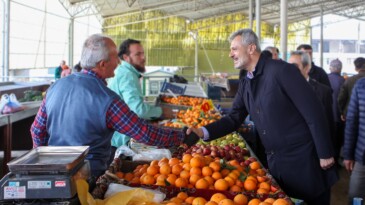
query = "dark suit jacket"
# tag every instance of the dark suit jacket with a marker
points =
(319, 75)
(291, 123)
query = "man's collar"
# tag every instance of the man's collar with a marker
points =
(131, 68)
(93, 73)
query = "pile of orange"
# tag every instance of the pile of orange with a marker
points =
(221, 199)
(183, 100)
(201, 172)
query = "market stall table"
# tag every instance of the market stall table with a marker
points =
(6, 125)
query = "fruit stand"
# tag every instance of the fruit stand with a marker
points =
(205, 173)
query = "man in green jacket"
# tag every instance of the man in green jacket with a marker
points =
(126, 83)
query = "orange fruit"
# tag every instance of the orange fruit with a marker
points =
(128, 176)
(217, 175)
(161, 177)
(196, 162)
(255, 165)
(120, 175)
(199, 201)
(261, 178)
(226, 202)
(154, 162)
(210, 180)
(235, 188)
(194, 178)
(135, 180)
(187, 167)
(260, 172)
(265, 185)
(262, 191)
(186, 158)
(148, 179)
(221, 185)
(184, 174)
(153, 170)
(233, 176)
(240, 199)
(280, 202)
(171, 178)
(207, 171)
(176, 169)
(211, 203)
(216, 166)
(230, 181)
(254, 202)
(174, 161)
(264, 203)
(181, 182)
(217, 197)
(249, 185)
(163, 161)
(202, 184)
(270, 200)
(160, 183)
(189, 200)
(252, 178)
(225, 172)
(195, 170)
(176, 200)
(182, 195)
(165, 169)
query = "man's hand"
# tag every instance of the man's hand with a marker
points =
(327, 163)
(190, 138)
(349, 165)
(197, 131)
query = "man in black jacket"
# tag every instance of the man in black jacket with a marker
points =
(316, 72)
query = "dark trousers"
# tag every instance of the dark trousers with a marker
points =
(323, 199)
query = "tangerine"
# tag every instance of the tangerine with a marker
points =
(120, 175)
(199, 201)
(195, 170)
(152, 170)
(240, 199)
(235, 188)
(221, 185)
(181, 182)
(186, 158)
(249, 185)
(202, 184)
(196, 162)
(226, 202)
(165, 169)
(217, 175)
(184, 174)
(255, 165)
(194, 178)
(280, 202)
(211, 203)
(182, 195)
(176, 169)
(217, 197)
(254, 202)
(216, 166)
(207, 171)
(189, 200)
(174, 161)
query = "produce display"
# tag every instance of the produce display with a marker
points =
(211, 175)
(183, 100)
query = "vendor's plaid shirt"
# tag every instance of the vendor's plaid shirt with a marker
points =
(119, 118)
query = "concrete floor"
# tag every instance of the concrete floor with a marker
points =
(338, 196)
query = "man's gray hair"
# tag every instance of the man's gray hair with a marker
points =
(336, 66)
(305, 59)
(248, 37)
(94, 50)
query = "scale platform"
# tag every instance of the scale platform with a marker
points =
(44, 173)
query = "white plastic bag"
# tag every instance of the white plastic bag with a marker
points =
(9, 104)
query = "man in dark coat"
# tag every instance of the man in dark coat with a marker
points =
(289, 118)
(316, 72)
(337, 81)
(302, 61)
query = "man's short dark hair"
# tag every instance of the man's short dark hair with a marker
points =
(305, 47)
(124, 47)
(359, 63)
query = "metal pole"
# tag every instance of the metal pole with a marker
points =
(283, 28)
(6, 39)
(321, 44)
(71, 43)
(250, 14)
(258, 18)
(196, 58)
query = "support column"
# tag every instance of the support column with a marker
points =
(196, 58)
(250, 14)
(6, 40)
(284, 28)
(71, 43)
(258, 18)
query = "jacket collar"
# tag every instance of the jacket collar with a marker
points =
(259, 66)
(131, 68)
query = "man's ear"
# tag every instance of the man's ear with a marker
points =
(251, 48)
(125, 57)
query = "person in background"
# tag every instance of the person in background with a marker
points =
(336, 81)
(303, 62)
(316, 72)
(101, 113)
(77, 67)
(66, 71)
(126, 83)
(346, 88)
(288, 116)
(354, 143)
(274, 51)
(58, 70)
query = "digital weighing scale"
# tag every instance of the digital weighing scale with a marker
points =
(46, 173)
